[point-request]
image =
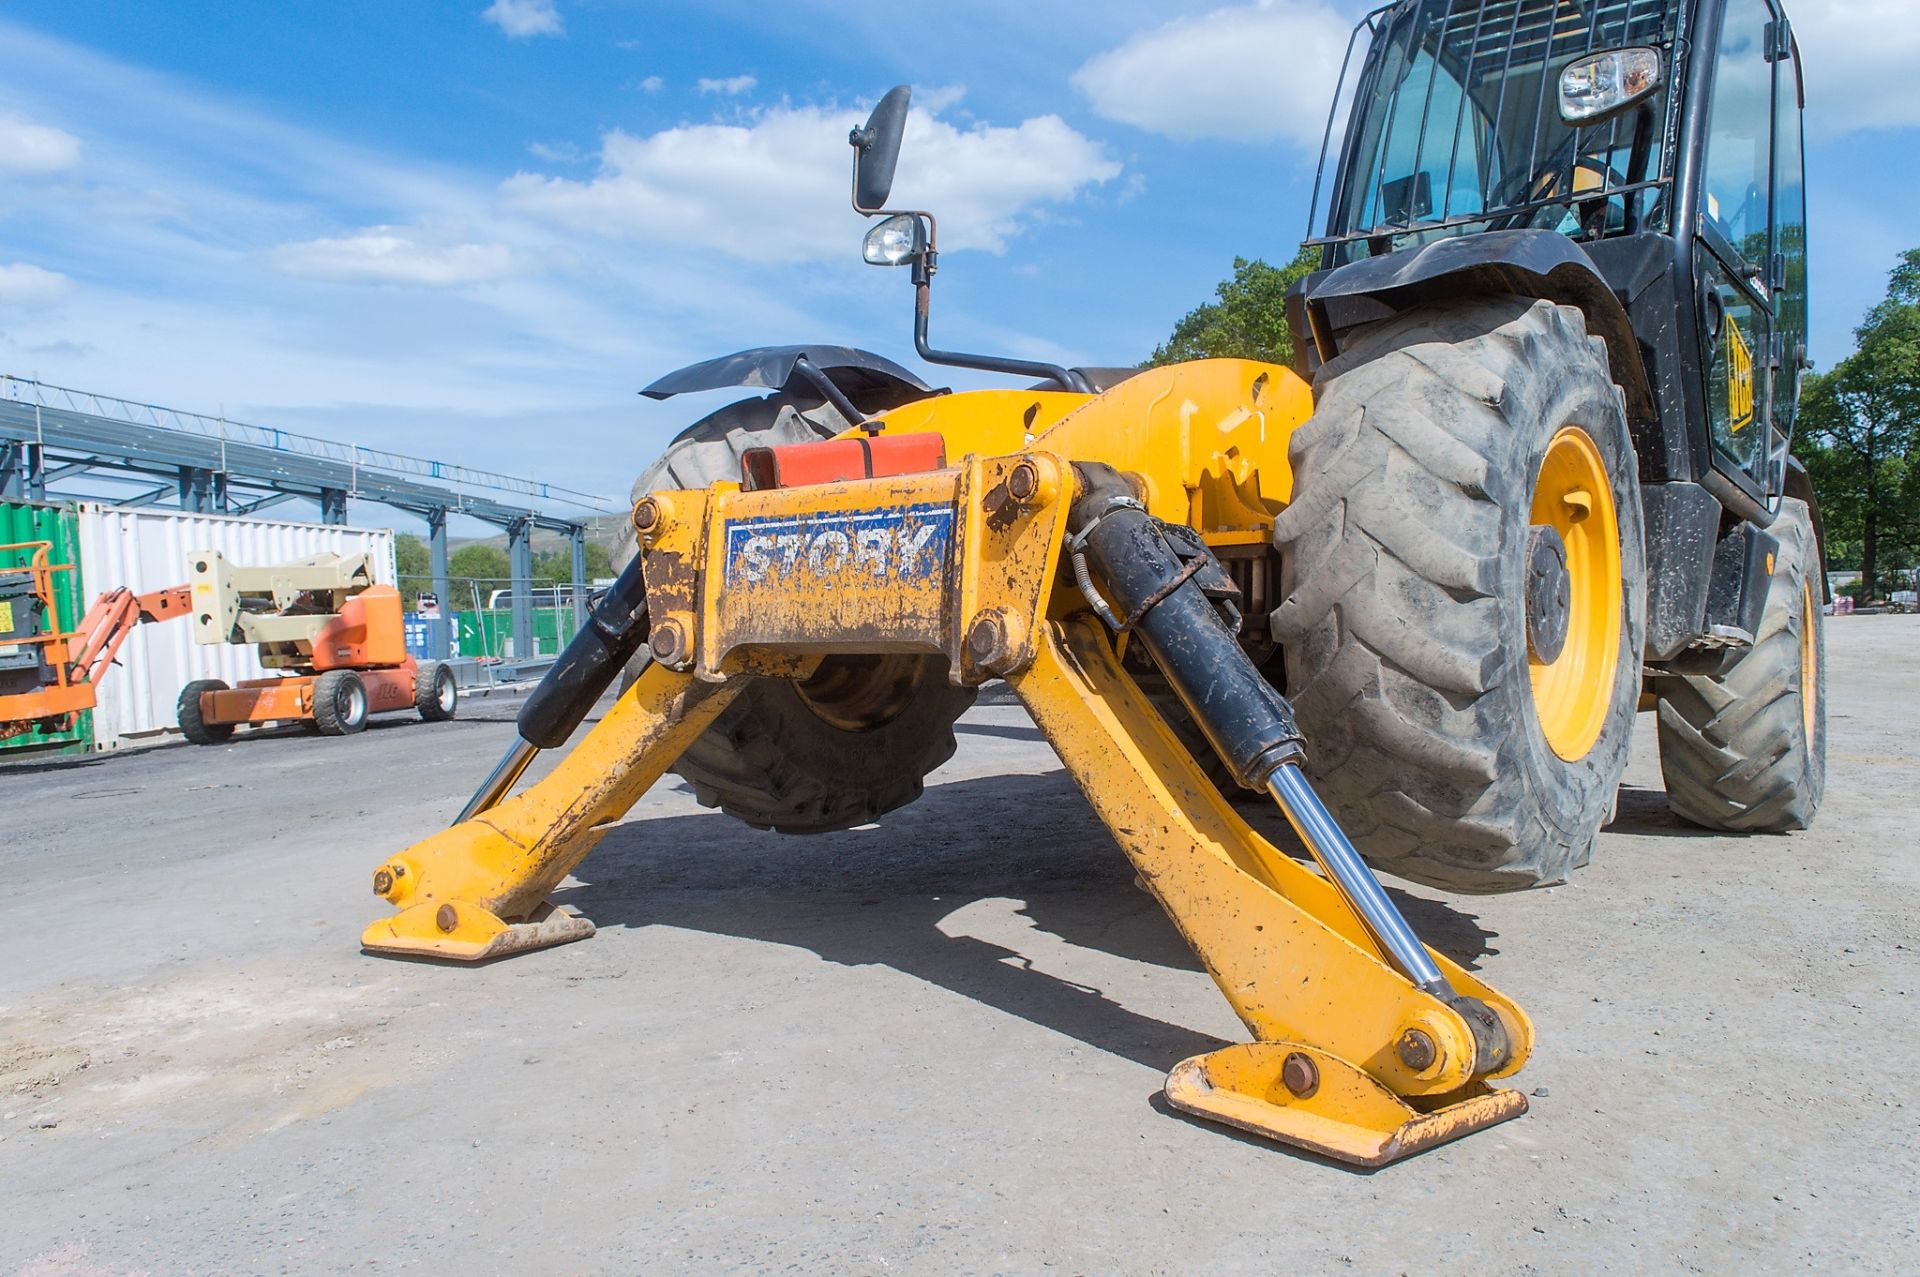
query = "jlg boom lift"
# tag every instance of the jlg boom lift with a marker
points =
(1531, 471)
(334, 635)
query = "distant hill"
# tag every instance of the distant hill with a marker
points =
(603, 530)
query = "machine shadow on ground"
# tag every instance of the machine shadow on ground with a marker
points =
(878, 895)
(1645, 812)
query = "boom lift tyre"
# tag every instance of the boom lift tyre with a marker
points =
(193, 725)
(1745, 751)
(436, 693)
(339, 703)
(1464, 591)
(848, 745)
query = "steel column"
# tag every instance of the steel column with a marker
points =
(439, 633)
(23, 471)
(520, 569)
(196, 490)
(579, 538)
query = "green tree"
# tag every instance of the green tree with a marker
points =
(479, 560)
(1247, 321)
(1862, 424)
(556, 567)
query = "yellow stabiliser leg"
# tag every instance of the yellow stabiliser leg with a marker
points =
(1352, 1060)
(479, 890)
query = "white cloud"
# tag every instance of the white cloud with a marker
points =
(1859, 57)
(27, 286)
(555, 152)
(169, 230)
(652, 84)
(1253, 73)
(732, 86)
(523, 18)
(776, 189)
(26, 147)
(395, 255)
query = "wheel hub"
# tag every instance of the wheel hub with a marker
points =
(1549, 593)
(1574, 591)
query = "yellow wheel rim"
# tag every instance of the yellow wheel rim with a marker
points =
(1573, 692)
(1809, 660)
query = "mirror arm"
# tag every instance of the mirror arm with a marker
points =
(1066, 378)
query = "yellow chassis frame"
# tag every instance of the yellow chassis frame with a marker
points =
(728, 601)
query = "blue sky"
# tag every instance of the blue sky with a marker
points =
(474, 230)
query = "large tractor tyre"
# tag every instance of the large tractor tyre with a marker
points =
(1464, 595)
(193, 725)
(339, 703)
(849, 744)
(1746, 750)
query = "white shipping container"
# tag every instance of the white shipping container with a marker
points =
(145, 550)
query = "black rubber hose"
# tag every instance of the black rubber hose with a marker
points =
(616, 627)
(1245, 718)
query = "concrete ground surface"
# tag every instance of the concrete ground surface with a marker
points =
(932, 1046)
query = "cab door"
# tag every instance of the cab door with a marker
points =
(1738, 278)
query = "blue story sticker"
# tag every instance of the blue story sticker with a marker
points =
(903, 543)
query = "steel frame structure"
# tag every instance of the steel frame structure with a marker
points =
(54, 435)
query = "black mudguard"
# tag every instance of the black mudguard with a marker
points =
(1528, 263)
(872, 381)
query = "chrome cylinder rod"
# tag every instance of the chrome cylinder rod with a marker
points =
(500, 779)
(1355, 881)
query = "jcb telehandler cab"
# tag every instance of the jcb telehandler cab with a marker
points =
(1537, 208)
(1532, 469)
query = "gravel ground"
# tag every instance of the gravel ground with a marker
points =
(935, 1045)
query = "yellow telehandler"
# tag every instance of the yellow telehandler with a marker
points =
(1531, 472)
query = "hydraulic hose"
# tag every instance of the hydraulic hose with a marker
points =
(616, 627)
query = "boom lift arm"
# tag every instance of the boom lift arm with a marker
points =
(113, 616)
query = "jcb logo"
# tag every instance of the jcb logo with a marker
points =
(904, 543)
(1739, 380)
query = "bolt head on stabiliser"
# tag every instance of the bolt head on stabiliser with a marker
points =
(1300, 1075)
(995, 641)
(1417, 1050)
(668, 643)
(651, 515)
(1023, 482)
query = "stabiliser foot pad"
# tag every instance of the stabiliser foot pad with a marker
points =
(1300, 1095)
(460, 932)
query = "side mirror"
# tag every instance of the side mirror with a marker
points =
(876, 149)
(1598, 86)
